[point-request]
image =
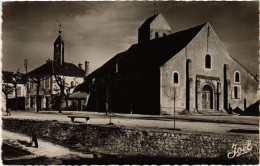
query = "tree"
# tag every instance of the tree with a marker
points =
(173, 96)
(7, 89)
(63, 90)
(68, 88)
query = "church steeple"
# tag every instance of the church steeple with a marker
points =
(59, 49)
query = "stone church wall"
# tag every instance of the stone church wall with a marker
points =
(248, 86)
(206, 42)
(176, 64)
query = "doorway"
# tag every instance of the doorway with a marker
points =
(207, 97)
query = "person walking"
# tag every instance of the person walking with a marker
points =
(34, 134)
(8, 111)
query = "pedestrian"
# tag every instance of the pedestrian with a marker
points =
(8, 111)
(34, 134)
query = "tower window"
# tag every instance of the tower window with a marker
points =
(175, 78)
(156, 35)
(208, 61)
(237, 76)
(164, 34)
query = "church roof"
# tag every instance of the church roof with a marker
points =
(53, 67)
(108, 67)
(59, 40)
(148, 55)
(148, 21)
(154, 53)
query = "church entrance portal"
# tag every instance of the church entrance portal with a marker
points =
(207, 97)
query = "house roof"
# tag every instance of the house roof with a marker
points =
(153, 54)
(148, 21)
(7, 77)
(53, 67)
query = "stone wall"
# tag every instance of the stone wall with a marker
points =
(137, 141)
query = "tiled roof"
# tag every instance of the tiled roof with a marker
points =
(52, 67)
(7, 77)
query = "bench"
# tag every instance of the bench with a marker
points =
(73, 117)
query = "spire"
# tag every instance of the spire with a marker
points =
(59, 48)
(60, 29)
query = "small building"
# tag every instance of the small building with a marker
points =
(49, 73)
(165, 72)
(9, 80)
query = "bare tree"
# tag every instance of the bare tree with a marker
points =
(63, 90)
(173, 96)
(68, 88)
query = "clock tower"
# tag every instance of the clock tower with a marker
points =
(59, 49)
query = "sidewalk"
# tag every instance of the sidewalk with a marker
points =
(227, 119)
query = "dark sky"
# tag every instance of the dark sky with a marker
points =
(96, 31)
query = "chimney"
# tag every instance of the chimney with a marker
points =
(86, 67)
(80, 65)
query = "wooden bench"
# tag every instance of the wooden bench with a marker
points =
(73, 117)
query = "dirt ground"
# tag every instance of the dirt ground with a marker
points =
(15, 148)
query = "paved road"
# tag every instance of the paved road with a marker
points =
(214, 124)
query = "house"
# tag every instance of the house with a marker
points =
(48, 76)
(10, 79)
(165, 72)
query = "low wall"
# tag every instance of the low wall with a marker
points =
(141, 141)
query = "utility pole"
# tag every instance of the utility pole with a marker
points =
(25, 65)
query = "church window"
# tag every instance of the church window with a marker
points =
(175, 78)
(116, 68)
(208, 61)
(156, 35)
(236, 92)
(237, 76)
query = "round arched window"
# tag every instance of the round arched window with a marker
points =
(237, 76)
(208, 61)
(175, 78)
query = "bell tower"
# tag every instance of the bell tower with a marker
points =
(59, 49)
(154, 27)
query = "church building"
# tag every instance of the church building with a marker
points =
(165, 72)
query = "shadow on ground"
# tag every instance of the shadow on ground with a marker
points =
(244, 131)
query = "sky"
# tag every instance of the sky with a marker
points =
(96, 31)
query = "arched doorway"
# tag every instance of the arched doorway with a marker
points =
(207, 97)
